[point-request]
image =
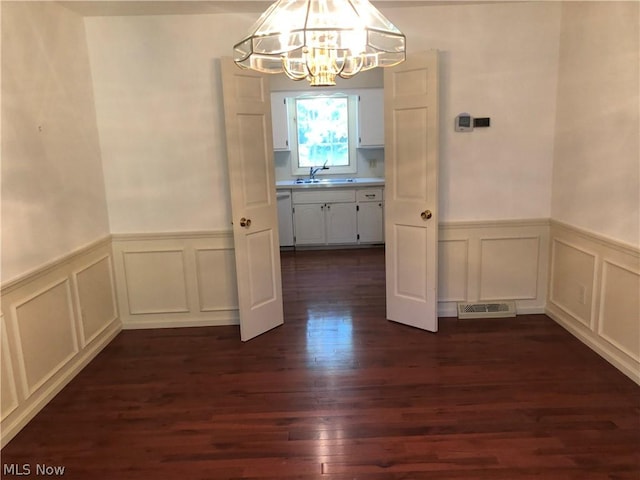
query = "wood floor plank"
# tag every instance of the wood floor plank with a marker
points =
(340, 393)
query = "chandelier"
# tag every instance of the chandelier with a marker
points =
(319, 40)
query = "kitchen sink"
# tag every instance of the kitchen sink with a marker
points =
(324, 181)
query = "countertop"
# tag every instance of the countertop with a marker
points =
(332, 183)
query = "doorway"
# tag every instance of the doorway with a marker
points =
(411, 138)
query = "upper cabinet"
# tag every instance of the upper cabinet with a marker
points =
(279, 120)
(371, 118)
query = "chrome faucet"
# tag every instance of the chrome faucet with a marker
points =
(313, 171)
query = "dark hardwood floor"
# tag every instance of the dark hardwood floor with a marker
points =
(340, 393)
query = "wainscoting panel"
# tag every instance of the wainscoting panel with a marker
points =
(214, 265)
(573, 275)
(619, 319)
(509, 268)
(46, 334)
(594, 293)
(493, 260)
(96, 296)
(176, 279)
(54, 321)
(8, 390)
(453, 261)
(156, 281)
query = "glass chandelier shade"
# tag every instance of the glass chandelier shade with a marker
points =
(319, 40)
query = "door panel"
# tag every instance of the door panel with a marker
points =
(411, 194)
(247, 108)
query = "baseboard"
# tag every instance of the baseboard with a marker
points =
(596, 343)
(231, 319)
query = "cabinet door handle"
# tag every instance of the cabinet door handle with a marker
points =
(370, 195)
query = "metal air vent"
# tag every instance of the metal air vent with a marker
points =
(486, 310)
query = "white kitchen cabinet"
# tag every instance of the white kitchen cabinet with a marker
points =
(280, 121)
(325, 217)
(370, 215)
(338, 216)
(309, 224)
(341, 223)
(371, 118)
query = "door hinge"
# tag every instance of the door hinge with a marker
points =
(358, 236)
(357, 208)
(293, 210)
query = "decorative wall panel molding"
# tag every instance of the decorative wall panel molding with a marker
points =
(176, 279)
(573, 275)
(156, 281)
(45, 333)
(8, 388)
(54, 321)
(509, 268)
(593, 293)
(213, 294)
(493, 260)
(453, 270)
(96, 298)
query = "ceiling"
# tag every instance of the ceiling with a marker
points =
(99, 8)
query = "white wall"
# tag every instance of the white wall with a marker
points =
(596, 174)
(500, 61)
(159, 109)
(161, 119)
(53, 198)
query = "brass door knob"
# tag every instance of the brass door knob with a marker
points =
(426, 215)
(245, 222)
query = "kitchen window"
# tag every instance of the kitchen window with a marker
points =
(324, 130)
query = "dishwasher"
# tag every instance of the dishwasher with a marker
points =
(285, 218)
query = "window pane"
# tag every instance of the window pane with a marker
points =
(323, 131)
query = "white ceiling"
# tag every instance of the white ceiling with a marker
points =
(99, 8)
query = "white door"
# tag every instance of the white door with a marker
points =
(411, 194)
(247, 111)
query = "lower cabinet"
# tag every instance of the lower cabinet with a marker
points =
(309, 224)
(370, 222)
(370, 215)
(325, 224)
(338, 216)
(340, 219)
